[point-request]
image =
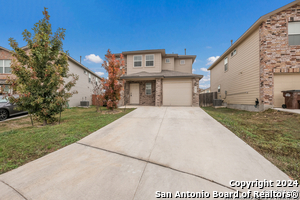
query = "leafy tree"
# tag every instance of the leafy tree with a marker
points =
(112, 85)
(41, 70)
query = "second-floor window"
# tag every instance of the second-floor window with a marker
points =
(137, 61)
(233, 53)
(226, 64)
(149, 60)
(5, 67)
(294, 33)
(182, 62)
(90, 77)
(167, 60)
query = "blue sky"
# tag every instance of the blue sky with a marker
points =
(204, 28)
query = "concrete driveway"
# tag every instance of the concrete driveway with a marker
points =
(151, 149)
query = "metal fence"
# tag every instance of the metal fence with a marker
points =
(206, 99)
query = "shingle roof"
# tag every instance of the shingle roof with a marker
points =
(162, 74)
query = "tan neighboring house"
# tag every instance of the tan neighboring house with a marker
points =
(154, 78)
(83, 85)
(207, 90)
(264, 61)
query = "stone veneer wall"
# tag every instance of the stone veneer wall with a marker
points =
(146, 100)
(195, 101)
(158, 95)
(276, 56)
(4, 55)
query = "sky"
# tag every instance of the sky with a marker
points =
(204, 28)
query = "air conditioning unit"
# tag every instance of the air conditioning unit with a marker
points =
(84, 103)
(217, 102)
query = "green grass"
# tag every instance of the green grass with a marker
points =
(22, 143)
(275, 135)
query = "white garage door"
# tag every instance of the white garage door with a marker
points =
(177, 92)
(284, 82)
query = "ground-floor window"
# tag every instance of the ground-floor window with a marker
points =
(148, 88)
(4, 89)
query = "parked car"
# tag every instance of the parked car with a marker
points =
(7, 109)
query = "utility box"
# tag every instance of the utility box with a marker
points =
(85, 103)
(292, 99)
(217, 102)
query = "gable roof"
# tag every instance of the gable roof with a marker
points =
(250, 30)
(76, 62)
(2, 48)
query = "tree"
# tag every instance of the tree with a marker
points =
(41, 72)
(112, 85)
(98, 94)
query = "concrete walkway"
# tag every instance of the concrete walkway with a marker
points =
(151, 149)
(296, 111)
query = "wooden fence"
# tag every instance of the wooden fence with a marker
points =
(206, 99)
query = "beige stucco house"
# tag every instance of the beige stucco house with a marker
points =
(264, 61)
(155, 78)
(83, 86)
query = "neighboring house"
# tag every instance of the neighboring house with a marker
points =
(207, 90)
(264, 61)
(154, 78)
(83, 85)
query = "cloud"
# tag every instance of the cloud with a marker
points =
(208, 47)
(203, 69)
(204, 86)
(193, 70)
(212, 59)
(195, 61)
(93, 58)
(205, 78)
(99, 73)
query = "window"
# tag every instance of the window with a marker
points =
(182, 62)
(219, 88)
(89, 77)
(294, 33)
(149, 60)
(167, 60)
(96, 81)
(233, 53)
(137, 61)
(148, 89)
(226, 64)
(5, 67)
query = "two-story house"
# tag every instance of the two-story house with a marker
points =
(84, 85)
(264, 61)
(154, 78)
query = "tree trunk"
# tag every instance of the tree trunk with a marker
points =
(60, 115)
(31, 119)
(45, 122)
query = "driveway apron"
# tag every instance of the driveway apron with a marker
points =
(150, 149)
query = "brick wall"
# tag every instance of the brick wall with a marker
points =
(276, 56)
(4, 55)
(158, 96)
(146, 100)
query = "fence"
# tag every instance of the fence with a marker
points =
(206, 99)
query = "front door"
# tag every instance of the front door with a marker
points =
(134, 93)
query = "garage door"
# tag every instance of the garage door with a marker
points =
(177, 92)
(284, 82)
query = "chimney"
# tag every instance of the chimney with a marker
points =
(231, 42)
(80, 59)
(184, 51)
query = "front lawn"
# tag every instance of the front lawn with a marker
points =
(275, 135)
(22, 143)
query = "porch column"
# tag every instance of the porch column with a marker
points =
(158, 92)
(195, 96)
